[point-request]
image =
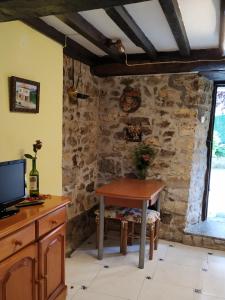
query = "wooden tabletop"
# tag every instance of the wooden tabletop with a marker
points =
(29, 214)
(131, 188)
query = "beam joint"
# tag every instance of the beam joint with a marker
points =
(127, 24)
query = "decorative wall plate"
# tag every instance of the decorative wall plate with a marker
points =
(130, 100)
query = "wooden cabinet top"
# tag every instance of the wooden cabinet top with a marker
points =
(131, 188)
(29, 214)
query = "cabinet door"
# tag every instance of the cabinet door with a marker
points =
(18, 275)
(52, 263)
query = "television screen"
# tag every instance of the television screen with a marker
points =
(12, 182)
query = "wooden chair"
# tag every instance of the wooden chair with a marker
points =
(133, 216)
(128, 217)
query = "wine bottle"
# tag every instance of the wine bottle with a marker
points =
(34, 180)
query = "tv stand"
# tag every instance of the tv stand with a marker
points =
(7, 212)
(32, 252)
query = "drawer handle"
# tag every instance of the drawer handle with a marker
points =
(53, 222)
(18, 243)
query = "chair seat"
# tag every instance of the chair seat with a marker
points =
(129, 214)
(134, 215)
(114, 212)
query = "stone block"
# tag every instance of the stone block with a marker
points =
(90, 187)
(166, 218)
(187, 239)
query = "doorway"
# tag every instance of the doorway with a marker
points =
(214, 195)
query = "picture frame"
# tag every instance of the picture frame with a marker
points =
(24, 95)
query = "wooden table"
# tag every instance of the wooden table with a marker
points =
(127, 192)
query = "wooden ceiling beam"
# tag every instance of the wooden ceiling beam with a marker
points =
(79, 24)
(222, 27)
(173, 15)
(198, 61)
(122, 70)
(72, 48)
(127, 24)
(200, 54)
(17, 9)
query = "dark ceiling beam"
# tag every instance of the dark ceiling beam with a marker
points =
(202, 54)
(122, 70)
(222, 27)
(72, 48)
(173, 15)
(165, 65)
(127, 24)
(79, 24)
(17, 9)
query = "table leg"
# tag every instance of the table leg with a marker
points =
(143, 236)
(158, 203)
(101, 228)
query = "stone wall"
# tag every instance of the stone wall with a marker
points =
(172, 109)
(174, 115)
(80, 131)
(203, 241)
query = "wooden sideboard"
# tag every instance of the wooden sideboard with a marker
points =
(32, 252)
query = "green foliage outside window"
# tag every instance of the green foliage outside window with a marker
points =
(218, 148)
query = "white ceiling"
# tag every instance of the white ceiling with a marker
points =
(201, 20)
(62, 27)
(100, 20)
(151, 19)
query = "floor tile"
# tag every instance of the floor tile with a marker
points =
(161, 291)
(119, 281)
(179, 275)
(213, 280)
(187, 256)
(207, 297)
(81, 269)
(162, 250)
(72, 290)
(86, 295)
(217, 257)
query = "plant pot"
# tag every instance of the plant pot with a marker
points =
(141, 173)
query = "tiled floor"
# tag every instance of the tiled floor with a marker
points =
(178, 272)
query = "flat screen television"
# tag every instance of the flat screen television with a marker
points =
(12, 186)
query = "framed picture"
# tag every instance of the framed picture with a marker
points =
(24, 95)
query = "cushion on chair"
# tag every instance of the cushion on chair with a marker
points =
(114, 212)
(134, 215)
(129, 214)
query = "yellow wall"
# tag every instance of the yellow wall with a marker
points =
(28, 54)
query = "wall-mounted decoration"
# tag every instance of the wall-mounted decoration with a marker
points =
(73, 91)
(130, 100)
(24, 95)
(133, 133)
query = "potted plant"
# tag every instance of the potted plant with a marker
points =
(143, 156)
